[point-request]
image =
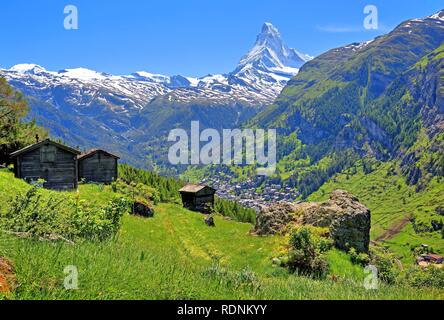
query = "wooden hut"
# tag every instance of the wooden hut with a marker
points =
(98, 166)
(197, 197)
(48, 160)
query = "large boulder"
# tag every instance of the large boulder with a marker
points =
(351, 226)
(347, 219)
(273, 219)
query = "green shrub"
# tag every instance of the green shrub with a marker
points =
(244, 278)
(97, 223)
(430, 223)
(136, 191)
(59, 216)
(305, 255)
(430, 277)
(419, 250)
(361, 258)
(385, 262)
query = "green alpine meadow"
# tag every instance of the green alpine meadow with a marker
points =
(93, 208)
(176, 256)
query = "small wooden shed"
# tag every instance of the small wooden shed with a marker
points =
(197, 197)
(98, 166)
(48, 160)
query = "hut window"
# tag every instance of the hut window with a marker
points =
(48, 154)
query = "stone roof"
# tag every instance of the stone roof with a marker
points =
(193, 188)
(41, 143)
(93, 151)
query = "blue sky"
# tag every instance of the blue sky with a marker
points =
(188, 37)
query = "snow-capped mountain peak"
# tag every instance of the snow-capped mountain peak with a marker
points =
(27, 68)
(121, 112)
(90, 101)
(77, 73)
(438, 16)
(271, 54)
(269, 29)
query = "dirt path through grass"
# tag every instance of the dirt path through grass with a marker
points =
(394, 230)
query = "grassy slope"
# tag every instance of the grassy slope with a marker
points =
(172, 256)
(390, 200)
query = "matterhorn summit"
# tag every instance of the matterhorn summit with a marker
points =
(271, 55)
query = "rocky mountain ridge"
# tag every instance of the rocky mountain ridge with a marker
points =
(89, 108)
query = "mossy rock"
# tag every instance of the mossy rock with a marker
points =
(143, 208)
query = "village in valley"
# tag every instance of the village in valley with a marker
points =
(254, 193)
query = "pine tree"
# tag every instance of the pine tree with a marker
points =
(15, 133)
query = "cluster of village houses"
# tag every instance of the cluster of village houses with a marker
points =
(246, 194)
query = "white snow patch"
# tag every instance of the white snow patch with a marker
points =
(287, 70)
(82, 74)
(358, 46)
(193, 81)
(159, 78)
(438, 16)
(26, 67)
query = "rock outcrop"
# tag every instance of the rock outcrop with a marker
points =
(347, 219)
(273, 219)
(350, 227)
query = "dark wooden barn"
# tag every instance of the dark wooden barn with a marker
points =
(197, 197)
(98, 166)
(48, 160)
